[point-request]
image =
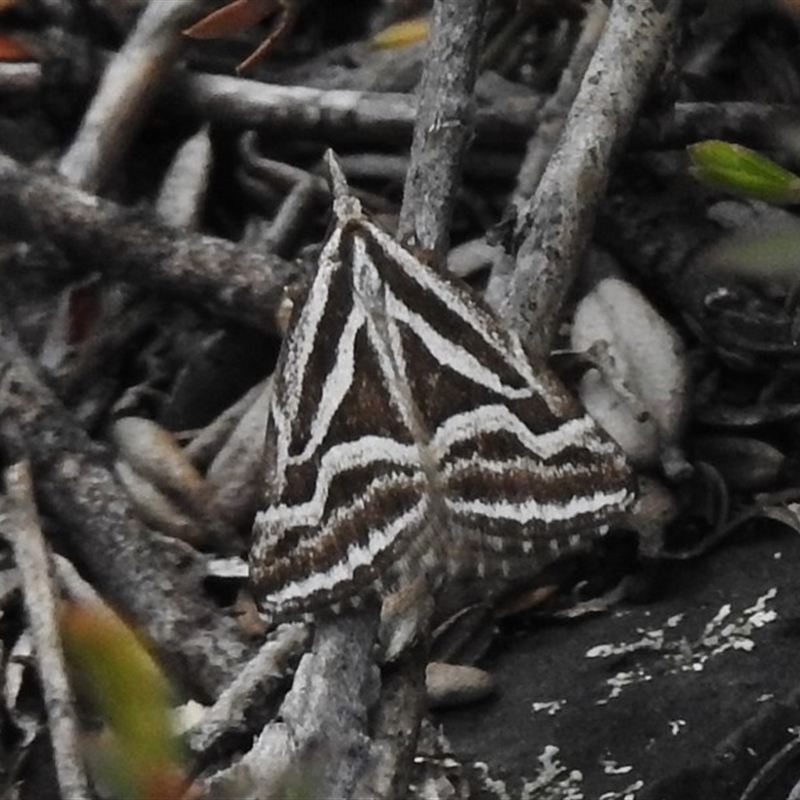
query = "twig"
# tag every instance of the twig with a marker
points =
(445, 120)
(136, 248)
(183, 191)
(248, 699)
(441, 137)
(30, 554)
(130, 85)
(208, 442)
(395, 727)
(332, 687)
(74, 586)
(334, 115)
(755, 124)
(269, 173)
(236, 474)
(328, 717)
(555, 226)
(553, 115)
(320, 745)
(292, 214)
(331, 115)
(20, 78)
(155, 586)
(553, 118)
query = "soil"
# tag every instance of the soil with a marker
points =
(686, 697)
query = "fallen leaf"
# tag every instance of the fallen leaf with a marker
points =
(233, 18)
(13, 50)
(400, 34)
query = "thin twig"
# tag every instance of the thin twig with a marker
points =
(20, 78)
(182, 195)
(553, 115)
(208, 442)
(754, 124)
(555, 226)
(130, 85)
(31, 556)
(445, 121)
(288, 222)
(335, 115)
(441, 136)
(248, 698)
(331, 115)
(320, 744)
(553, 118)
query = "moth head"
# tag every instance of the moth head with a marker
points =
(345, 206)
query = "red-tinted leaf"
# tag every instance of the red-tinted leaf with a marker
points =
(233, 18)
(13, 50)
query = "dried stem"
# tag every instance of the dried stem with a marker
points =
(441, 136)
(21, 526)
(445, 120)
(335, 115)
(251, 695)
(320, 745)
(553, 115)
(332, 115)
(555, 226)
(129, 87)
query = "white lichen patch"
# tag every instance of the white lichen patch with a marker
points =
(554, 781)
(676, 726)
(722, 633)
(551, 707)
(493, 786)
(629, 793)
(611, 767)
(650, 640)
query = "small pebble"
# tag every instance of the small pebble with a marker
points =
(450, 685)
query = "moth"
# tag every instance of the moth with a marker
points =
(409, 434)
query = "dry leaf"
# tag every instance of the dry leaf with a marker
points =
(400, 34)
(233, 18)
(240, 15)
(13, 50)
(639, 391)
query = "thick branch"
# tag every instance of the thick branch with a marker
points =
(153, 586)
(136, 248)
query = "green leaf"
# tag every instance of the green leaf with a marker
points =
(739, 170)
(142, 755)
